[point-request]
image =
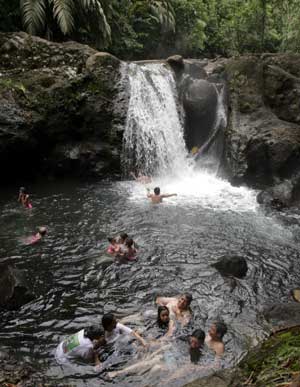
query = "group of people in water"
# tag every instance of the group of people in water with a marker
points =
(173, 314)
(97, 342)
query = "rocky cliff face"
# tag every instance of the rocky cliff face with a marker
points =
(57, 110)
(263, 135)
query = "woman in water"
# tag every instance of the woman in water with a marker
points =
(42, 231)
(164, 323)
(128, 251)
(113, 248)
(24, 198)
(179, 307)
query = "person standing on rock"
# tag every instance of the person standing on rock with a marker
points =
(157, 197)
(214, 338)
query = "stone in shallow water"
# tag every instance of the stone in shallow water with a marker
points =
(232, 266)
(296, 294)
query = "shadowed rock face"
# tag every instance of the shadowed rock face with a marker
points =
(263, 135)
(57, 109)
(232, 266)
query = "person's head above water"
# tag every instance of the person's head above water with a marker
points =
(42, 231)
(196, 342)
(129, 242)
(163, 316)
(109, 322)
(123, 237)
(157, 191)
(112, 240)
(22, 190)
(217, 330)
(94, 332)
(184, 301)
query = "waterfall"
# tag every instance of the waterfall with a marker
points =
(153, 138)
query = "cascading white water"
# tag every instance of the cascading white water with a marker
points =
(153, 138)
(154, 144)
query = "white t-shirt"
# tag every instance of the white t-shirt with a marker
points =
(75, 346)
(120, 329)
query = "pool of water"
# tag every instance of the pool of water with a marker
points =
(178, 240)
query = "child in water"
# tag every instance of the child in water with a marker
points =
(42, 231)
(113, 248)
(164, 322)
(128, 251)
(24, 198)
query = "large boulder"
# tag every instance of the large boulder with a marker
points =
(14, 289)
(232, 266)
(263, 136)
(58, 108)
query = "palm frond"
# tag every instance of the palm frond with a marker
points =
(63, 12)
(164, 13)
(33, 15)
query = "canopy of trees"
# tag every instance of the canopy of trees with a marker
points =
(133, 29)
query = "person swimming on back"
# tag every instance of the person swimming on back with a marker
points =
(42, 231)
(157, 197)
(24, 198)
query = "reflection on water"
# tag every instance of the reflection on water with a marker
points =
(179, 240)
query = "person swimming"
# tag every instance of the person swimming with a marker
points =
(179, 307)
(214, 338)
(113, 330)
(128, 251)
(82, 345)
(163, 321)
(196, 342)
(42, 231)
(24, 198)
(157, 197)
(113, 248)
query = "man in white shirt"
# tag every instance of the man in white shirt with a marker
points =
(81, 345)
(114, 329)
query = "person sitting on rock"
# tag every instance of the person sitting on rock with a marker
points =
(24, 198)
(157, 197)
(179, 307)
(82, 345)
(214, 338)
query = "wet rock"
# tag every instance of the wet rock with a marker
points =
(219, 379)
(176, 62)
(296, 294)
(263, 135)
(14, 290)
(232, 266)
(102, 61)
(282, 315)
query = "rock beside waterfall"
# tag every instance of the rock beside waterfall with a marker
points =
(263, 135)
(232, 266)
(176, 62)
(14, 289)
(57, 109)
(296, 294)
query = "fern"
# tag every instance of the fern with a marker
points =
(33, 14)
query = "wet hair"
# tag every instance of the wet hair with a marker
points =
(221, 328)
(129, 242)
(157, 190)
(94, 332)
(107, 320)
(200, 335)
(123, 235)
(42, 231)
(111, 240)
(160, 323)
(189, 298)
(22, 190)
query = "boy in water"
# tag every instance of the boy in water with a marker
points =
(214, 338)
(83, 345)
(114, 329)
(157, 197)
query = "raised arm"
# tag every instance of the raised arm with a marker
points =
(168, 195)
(163, 301)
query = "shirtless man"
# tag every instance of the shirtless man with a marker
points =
(214, 338)
(157, 197)
(179, 307)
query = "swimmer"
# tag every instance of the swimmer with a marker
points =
(179, 307)
(24, 198)
(214, 338)
(122, 239)
(113, 248)
(164, 322)
(141, 178)
(42, 231)
(128, 251)
(196, 342)
(157, 197)
(113, 330)
(82, 345)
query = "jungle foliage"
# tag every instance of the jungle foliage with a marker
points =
(158, 28)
